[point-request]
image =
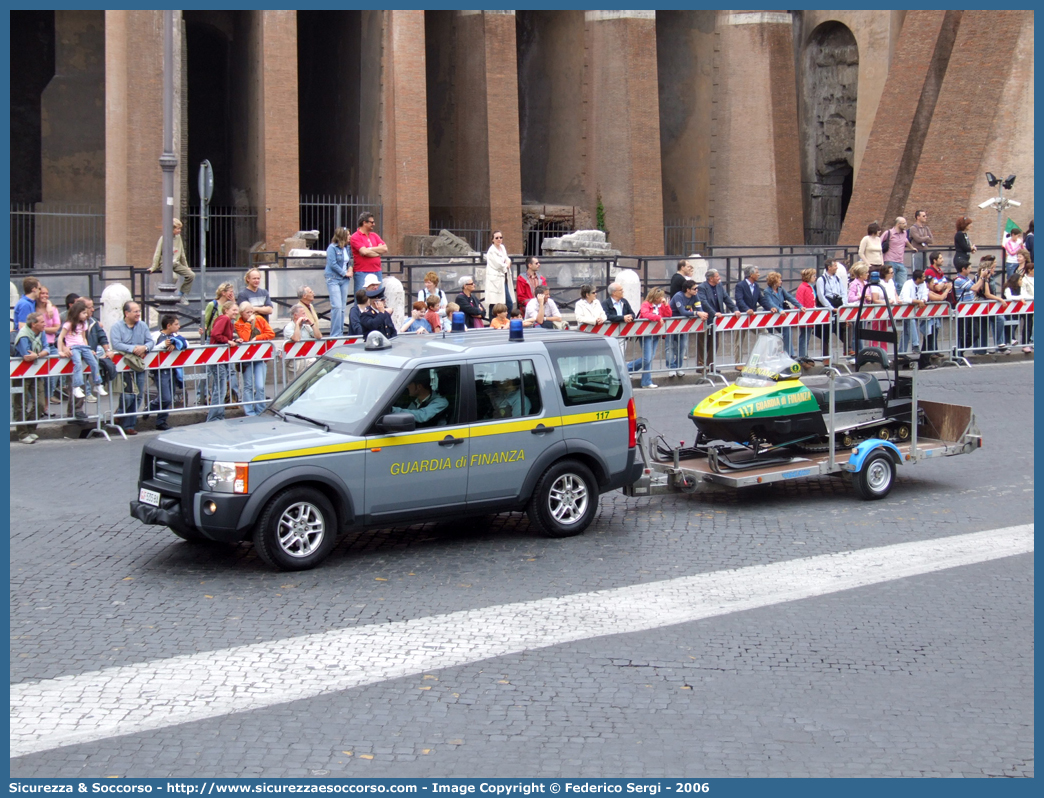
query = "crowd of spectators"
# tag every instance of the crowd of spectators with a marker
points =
(40, 330)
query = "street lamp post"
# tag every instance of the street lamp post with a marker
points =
(165, 295)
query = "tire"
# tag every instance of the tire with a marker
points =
(296, 530)
(565, 500)
(876, 477)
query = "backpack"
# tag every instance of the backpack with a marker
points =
(884, 240)
(14, 349)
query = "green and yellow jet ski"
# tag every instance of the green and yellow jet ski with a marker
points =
(770, 407)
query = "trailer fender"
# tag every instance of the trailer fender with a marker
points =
(863, 450)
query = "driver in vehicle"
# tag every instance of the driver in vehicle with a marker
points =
(425, 404)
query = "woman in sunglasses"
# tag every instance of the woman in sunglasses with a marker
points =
(498, 267)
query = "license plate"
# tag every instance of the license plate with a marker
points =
(147, 496)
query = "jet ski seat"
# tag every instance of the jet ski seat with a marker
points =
(859, 389)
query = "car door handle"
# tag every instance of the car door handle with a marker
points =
(449, 441)
(541, 430)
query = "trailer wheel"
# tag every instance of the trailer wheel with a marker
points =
(875, 478)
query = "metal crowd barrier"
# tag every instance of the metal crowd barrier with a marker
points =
(31, 397)
(731, 337)
(159, 391)
(295, 356)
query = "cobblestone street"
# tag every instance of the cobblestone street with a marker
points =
(922, 675)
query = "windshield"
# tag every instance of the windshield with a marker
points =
(336, 392)
(768, 362)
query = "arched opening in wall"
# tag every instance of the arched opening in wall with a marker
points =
(550, 56)
(209, 121)
(831, 77)
(338, 98)
(329, 89)
(222, 122)
(32, 51)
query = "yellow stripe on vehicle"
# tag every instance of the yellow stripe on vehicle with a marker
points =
(598, 415)
(507, 426)
(428, 436)
(334, 448)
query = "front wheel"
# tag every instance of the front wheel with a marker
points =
(297, 529)
(565, 500)
(875, 478)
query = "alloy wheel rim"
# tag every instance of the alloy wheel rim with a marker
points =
(567, 499)
(301, 529)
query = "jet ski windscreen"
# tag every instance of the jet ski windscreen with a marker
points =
(768, 363)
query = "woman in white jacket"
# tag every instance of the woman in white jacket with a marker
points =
(588, 310)
(498, 266)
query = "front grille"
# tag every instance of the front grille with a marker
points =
(169, 471)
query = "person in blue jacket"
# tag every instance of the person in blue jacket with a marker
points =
(338, 275)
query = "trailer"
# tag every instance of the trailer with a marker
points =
(942, 430)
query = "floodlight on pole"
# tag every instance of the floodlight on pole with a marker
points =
(999, 202)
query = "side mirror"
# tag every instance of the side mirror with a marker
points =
(397, 422)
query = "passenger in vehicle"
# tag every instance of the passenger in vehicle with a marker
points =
(507, 399)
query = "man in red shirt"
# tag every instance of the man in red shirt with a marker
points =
(367, 248)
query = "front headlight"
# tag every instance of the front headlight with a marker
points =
(229, 477)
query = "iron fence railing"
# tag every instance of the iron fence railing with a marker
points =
(232, 232)
(682, 237)
(327, 212)
(49, 235)
(822, 235)
(535, 235)
(477, 234)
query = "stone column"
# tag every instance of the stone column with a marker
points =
(485, 95)
(403, 122)
(134, 134)
(755, 167)
(279, 196)
(623, 128)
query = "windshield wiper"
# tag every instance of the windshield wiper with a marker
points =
(325, 427)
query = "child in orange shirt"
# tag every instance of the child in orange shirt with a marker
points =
(500, 317)
(253, 327)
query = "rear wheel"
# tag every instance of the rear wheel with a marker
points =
(875, 478)
(565, 500)
(297, 529)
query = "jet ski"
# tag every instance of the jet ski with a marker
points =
(772, 407)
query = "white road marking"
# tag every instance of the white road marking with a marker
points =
(152, 695)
